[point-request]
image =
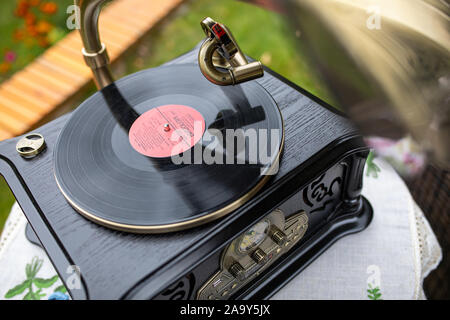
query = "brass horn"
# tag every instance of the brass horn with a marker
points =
(387, 62)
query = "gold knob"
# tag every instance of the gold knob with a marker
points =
(237, 271)
(277, 236)
(31, 145)
(259, 256)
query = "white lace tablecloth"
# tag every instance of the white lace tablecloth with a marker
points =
(388, 260)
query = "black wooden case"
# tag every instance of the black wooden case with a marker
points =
(320, 172)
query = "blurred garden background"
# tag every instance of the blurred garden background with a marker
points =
(29, 27)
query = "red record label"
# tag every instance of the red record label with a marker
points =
(166, 131)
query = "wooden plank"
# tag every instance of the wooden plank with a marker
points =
(119, 29)
(71, 65)
(138, 11)
(127, 24)
(31, 98)
(73, 39)
(13, 124)
(131, 21)
(41, 81)
(70, 47)
(51, 82)
(69, 55)
(55, 66)
(152, 10)
(4, 134)
(114, 51)
(39, 95)
(16, 109)
(18, 97)
(52, 76)
(42, 90)
(120, 40)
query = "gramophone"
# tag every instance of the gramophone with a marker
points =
(102, 197)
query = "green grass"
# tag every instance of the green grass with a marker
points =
(6, 201)
(261, 34)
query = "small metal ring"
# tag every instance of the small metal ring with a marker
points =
(87, 54)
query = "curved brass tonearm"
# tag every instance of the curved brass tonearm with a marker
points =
(220, 51)
(94, 51)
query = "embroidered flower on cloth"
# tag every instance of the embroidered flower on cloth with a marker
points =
(374, 293)
(34, 286)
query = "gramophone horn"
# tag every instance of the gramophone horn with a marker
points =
(387, 62)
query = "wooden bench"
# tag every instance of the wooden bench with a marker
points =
(46, 84)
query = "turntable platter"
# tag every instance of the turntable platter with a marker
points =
(114, 162)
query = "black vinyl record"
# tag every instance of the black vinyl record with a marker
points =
(102, 168)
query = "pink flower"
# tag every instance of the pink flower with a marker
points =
(10, 56)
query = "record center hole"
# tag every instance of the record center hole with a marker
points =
(26, 149)
(33, 137)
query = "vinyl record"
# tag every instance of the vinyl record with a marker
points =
(114, 159)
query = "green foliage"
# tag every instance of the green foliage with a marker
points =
(372, 168)
(45, 283)
(374, 293)
(17, 289)
(61, 289)
(34, 295)
(31, 270)
(6, 201)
